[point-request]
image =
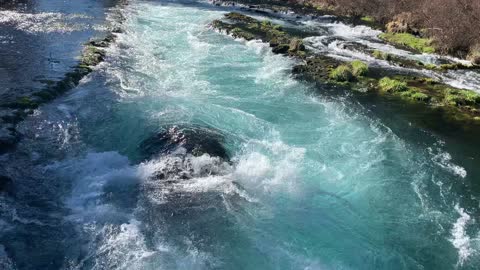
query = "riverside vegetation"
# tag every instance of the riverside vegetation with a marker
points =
(445, 26)
(456, 104)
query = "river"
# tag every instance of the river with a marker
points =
(316, 179)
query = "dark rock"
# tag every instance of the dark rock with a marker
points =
(117, 30)
(105, 42)
(99, 43)
(281, 49)
(195, 140)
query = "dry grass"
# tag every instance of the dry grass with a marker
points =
(453, 25)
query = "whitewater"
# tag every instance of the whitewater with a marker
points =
(314, 179)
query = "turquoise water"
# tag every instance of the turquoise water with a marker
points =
(315, 182)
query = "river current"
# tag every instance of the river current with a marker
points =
(316, 178)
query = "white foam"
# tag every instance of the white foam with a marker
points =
(444, 160)
(125, 247)
(276, 168)
(369, 37)
(45, 22)
(460, 238)
(360, 31)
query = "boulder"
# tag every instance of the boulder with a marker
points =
(281, 48)
(296, 45)
(193, 140)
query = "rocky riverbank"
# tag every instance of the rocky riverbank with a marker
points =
(455, 104)
(447, 27)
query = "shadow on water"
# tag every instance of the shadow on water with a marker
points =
(39, 42)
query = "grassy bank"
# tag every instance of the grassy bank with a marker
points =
(457, 104)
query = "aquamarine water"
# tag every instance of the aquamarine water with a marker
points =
(316, 180)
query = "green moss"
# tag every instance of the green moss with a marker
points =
(342, 73)
(410, 41)
(25, 102)
(389, 85)
(92, 56)
(266, 24)
(367, 19)
(431, 66)
(420, 97)
(277, 27)
(381, 55)
(428, 80)
(359, 68)
(448, 66)
(237, 17)
(240, 33)
(45, 95)
(415, 94)
(461, 97)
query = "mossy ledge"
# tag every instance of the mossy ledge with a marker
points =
(409, 41)
(409, 63)
(12, 112)
(457, 104)
(248, 28)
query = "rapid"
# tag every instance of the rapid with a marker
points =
(314, 178)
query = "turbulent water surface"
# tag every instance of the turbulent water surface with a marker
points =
(315, 180)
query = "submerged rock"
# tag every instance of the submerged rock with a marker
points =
(190, 181)
(194, 140)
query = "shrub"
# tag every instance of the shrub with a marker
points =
(359, 68)
(461, 97)
(474, 55)
(389, 85)
(342, 73)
